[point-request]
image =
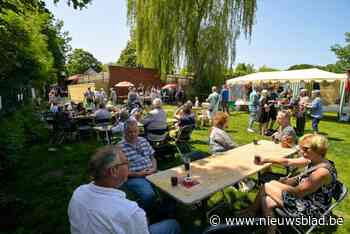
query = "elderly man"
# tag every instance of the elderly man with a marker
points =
(102, 114)
(141, 164)
(285, 133)
(100, 207)
(316, 109)
(155, 122)
(214, 100)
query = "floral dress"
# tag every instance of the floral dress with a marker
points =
(314, 204)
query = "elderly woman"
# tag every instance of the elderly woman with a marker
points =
(308, 194)
(219, 140)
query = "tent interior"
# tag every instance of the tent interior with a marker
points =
(334, 93)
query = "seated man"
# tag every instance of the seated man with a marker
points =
(100, 207)
(102, 113)
(285, 134)
(141, 164)
(155, 121)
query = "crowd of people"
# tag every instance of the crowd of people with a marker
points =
(102, 207)
(264, 104)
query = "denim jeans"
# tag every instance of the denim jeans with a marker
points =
(143, 190)
(168, 226)
(315, 122)
(252, 118)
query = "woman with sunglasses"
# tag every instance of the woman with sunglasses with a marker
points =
(308, 194)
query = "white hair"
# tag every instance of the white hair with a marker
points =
(157, 102)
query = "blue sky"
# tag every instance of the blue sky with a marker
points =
(286, 32)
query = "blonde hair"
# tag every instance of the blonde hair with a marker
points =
(316, 142)
(220, 118)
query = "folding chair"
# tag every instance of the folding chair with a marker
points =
(159, 140)
(340, 193)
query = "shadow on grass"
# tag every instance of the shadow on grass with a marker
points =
(199, 142)
(335, 139)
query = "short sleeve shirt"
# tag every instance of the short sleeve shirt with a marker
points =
(139, 154)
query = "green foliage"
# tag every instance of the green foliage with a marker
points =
(303, 66)
(17, 132)
(80, 61)
(241, 69)
(32, 45)
(200, 35)
(343, 54)
(265, 68)
(128, 57)
(77, 4)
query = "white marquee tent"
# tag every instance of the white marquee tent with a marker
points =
(294, 77)
(306, 75)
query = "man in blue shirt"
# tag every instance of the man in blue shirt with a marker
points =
(316, 109)
(224, 96)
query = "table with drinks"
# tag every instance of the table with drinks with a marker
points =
(202, 178)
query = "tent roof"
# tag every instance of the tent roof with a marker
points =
(307, 75)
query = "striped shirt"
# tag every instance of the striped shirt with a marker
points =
(139, 154)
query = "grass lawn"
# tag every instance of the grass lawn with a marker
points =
(45, 180)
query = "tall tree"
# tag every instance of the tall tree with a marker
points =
(343, 54)
(198, 33)
(80, 61)
(128, 56)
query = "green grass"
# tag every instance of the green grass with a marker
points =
(45, 180)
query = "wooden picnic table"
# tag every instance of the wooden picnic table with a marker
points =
(216, 172)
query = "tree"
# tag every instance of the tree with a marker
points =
(343, 54)
(199, 34)
(265, 68)
(77, 4)
(243, 69)
(303, 66)
(80, 61)
(128, 56)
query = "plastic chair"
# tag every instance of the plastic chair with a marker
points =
(340, 193)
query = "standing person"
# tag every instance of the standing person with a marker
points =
(301, 112)
(264, 109)
(224, 95)
(103, 96)
(89, 94)
(316, 109)
(180, 96)
(113, 96)
(272, 99)
(214, 100)
(100, 207)
(253, 108)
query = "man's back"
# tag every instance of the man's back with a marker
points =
(156, 119)
(94, 209)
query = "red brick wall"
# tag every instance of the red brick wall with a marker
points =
(146, 76)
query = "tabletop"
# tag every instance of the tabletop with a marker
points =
(218, 171)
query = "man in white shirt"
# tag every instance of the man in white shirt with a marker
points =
(156, 121)
(99, 207)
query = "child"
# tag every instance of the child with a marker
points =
(196, 103)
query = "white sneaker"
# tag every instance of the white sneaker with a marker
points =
(250, 130)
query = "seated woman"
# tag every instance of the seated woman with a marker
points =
(219, 140)
(308, 194)
(185, 117)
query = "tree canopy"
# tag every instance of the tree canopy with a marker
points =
(32, 45)
(80, 61)
(199, 35)
(343, 55)
(128, 56)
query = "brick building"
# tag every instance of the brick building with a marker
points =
(146, 76)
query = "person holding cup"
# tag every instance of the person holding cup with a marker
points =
(307, 194)
(285, 134)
